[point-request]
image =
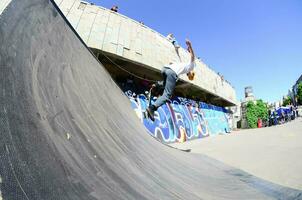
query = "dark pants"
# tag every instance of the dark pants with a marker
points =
(169, 82)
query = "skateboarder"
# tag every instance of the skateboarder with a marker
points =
(170, 75)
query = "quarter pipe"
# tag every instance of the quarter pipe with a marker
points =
(62, 138)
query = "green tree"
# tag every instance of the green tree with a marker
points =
(254, 111)
(251, 114)
(262, 110)
(287, 101)
(299, 93)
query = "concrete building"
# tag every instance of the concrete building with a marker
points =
(125, 45)
(295, 89)
(236, 116)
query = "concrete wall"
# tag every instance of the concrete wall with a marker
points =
(112, 32)
(182, 119)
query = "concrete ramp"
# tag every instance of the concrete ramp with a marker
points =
(68, 131)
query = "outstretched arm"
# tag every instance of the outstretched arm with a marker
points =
(190, 49)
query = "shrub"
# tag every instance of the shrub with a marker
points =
(255, 111)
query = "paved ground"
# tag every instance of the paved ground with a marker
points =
(273, 153)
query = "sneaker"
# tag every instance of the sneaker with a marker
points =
(150, 113)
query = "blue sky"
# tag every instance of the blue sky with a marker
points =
(254, 43)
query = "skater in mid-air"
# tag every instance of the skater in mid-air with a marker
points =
(170, 75)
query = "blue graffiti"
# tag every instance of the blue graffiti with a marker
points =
(181, 119)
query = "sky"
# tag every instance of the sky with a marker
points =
(251, 43)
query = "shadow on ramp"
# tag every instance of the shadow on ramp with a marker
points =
(68, 132)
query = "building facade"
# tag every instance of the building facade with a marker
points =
(295, 90)
(141, 50)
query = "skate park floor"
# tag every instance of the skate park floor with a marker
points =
(272, 153)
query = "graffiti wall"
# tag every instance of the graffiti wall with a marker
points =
(181, 119)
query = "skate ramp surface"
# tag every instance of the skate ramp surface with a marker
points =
(68, 131)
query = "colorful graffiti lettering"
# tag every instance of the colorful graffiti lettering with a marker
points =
(181, 119)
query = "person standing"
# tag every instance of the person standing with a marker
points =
(114, 8)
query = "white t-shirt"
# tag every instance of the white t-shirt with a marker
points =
(181, 68)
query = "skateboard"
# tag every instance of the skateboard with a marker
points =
(149, 97)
